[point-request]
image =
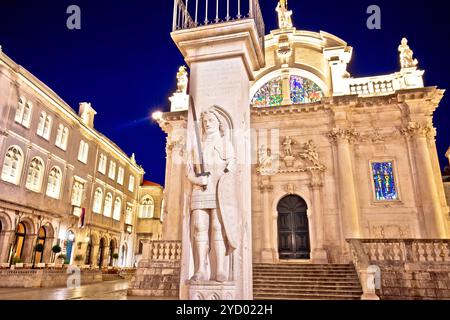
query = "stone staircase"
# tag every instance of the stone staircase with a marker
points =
(288, 281)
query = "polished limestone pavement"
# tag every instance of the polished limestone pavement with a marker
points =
(111, 290)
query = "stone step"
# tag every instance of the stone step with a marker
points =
(307, 297)
(282, 291)
(304, 275)
(305, 286)
(305, 282)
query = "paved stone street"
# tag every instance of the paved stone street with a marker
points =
(113, 290)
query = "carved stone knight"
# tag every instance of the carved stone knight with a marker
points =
(213, 203)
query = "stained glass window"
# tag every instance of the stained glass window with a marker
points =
(304, 90)
(269, 95)
(383, 178)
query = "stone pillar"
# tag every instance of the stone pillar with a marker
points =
(94, 257)
(432, 208)
(319, 255)
(267, 252)
(47, 254)
(286, 88)
(6, 239)
(28, 248)
(175, 172)
(222, 58)
(105, 257)
(347, 190)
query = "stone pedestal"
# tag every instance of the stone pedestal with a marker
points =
(179, 101)
(212, 291)
(222, 59)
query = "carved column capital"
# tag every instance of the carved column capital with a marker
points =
(419, 130)
(337, 135)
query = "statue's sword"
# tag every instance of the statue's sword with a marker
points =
(203, 172)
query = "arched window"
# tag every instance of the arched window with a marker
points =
(301, 90)
(62, 137)
(161, 213)
(44, 126)
(19, 110)
(147, 208)
(108, 205)
(77, 193)
(98, 199)
(12, 165)
(112, 170)
(20, 240)
(117, 209)
(102, 164)
(129, 215)
(42, 235)
(23, 113)
(54, 183)
(83, 152)
(35, 175)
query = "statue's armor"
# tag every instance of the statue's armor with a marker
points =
(216, 161)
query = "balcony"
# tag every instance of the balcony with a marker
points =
(189, 14)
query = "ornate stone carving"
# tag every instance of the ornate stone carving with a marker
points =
(289, 157)
(284, 15)
(284, 51)
(415, 129)
(213, 202)
(316, 179)
(340, 134)
(310, 153)
(406, 55)
(267, 162)
(290, 188)
(265, 184)
(176, 145)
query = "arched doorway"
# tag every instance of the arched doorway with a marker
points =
(124, 255)
(88, 260)
(101, 252)
(293, 228)
(112, 249)
(20, 240)
(42, 235)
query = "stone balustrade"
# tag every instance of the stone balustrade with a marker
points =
(405, 250)
(163, 250)
(403, 268)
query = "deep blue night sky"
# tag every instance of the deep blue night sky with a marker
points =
(124, 61)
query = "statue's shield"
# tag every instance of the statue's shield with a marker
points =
(228, 211)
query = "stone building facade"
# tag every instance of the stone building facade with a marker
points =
(334, 157)
(62, 182)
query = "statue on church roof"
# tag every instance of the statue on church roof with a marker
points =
(406, 55)
(284, 15)
(182, 78)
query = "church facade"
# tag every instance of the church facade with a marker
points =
(334, 157)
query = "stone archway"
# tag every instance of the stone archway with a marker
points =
(101, 252)
(293, 228)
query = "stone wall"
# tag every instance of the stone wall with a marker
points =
(156, 279)
(45, 278)
(415, 281)
(158, 273)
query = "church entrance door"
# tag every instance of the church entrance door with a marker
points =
(293, 228)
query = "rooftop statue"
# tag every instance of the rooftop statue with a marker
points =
(182, 77)
(284, 15)
(406, 55)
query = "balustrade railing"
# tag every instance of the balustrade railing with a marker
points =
(189, 14)
(403, 250)
(372, 87)
(163, 250)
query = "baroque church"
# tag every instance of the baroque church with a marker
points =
(331, 169)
